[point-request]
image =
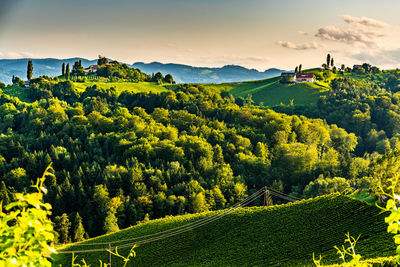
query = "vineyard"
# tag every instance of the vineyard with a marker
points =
(271, 92)
(256, 236)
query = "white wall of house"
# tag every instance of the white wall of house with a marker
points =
(311, 80)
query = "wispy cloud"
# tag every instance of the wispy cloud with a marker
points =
(363, 30)
(302, 32)
(379, 57)
(368, 22)
(349, 36)
(302, 46)
(16, 55)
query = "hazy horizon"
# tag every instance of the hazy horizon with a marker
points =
(254, 34)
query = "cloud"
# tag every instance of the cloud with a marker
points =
(16, 55)
(383, 57)
(303, 46)
(364, 21)
(302, 33)
(348, 35)
(363, 30)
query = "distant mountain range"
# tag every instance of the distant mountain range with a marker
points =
(190, 74)
(181, 73)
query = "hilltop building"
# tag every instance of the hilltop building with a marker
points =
(304, 77)
(290, 77)
(93, 68)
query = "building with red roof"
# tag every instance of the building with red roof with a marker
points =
(304, 77)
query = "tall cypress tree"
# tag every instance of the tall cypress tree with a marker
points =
(30, 70)
(300, 67)
(328, 60)
(67, 72)
(63, 69)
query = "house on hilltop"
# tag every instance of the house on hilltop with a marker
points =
(94, 68)
(91, 69)
(304, 77)
(290, 77)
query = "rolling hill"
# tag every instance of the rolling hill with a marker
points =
(190, 74)
(282, 235)
(44, 66)
(271, 92)
(181, 73)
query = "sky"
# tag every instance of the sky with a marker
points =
(258, 34)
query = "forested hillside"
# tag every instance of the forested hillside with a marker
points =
(127, 158)
(364, 104)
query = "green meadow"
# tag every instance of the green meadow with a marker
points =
(271, 92)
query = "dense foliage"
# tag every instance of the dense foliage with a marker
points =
(285, 235)
(360, 107)
(26, 233)
(121, 159)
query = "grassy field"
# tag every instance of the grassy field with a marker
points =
(364, 196)
(17, 91)
(123, 86)
(271, 92)
(259, 236)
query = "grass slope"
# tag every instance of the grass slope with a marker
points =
(17, 91)
(123, 86)
(258, 236)
(271, 92)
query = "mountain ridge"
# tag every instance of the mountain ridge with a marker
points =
(182, 73)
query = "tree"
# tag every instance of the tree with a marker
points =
(77, 68)
(343, 67)
(102, 61)
(18, 81)
(79, 230)
(110, 223)
(63, 69)
(4, 197)
(65, 90)
(296, 69)
(62, 226)
(383, 170)
(323, 186)
(332, 62)
(67, 72)
(158, 77)
(198, 202)
(30, 70)
(300, 67)
(168, 78)
(328, 60)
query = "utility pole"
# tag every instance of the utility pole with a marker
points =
(109, 254)
(267, 198)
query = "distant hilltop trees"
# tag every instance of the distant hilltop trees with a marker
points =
(113, 70)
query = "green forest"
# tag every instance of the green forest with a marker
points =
(124, 157)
